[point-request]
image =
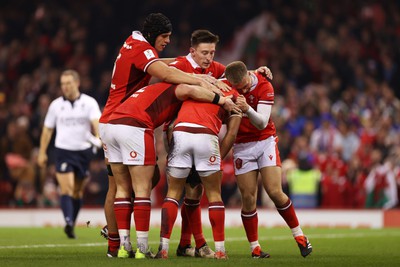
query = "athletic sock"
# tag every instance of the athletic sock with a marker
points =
(288, 214)
(186, 231)
(123, 211)
(67, 207)
(193, 212)
(141, 215)
(216, 213)
(169, 211)
(77, 204)
(250, 224)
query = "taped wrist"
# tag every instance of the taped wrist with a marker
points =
(216, 99)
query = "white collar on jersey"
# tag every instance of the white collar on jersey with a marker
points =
(137, 35)
(192, 62)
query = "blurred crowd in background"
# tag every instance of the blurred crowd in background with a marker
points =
(336, 67)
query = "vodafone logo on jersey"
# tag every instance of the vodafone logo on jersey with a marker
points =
(133, 154)
(212, 159)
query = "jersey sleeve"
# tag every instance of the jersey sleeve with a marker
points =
(51, 116)
(267, 94)
(94, 113)
(143, 56)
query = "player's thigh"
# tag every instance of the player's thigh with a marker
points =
(141, 176)
(66, 182)
(272, 179)
(122, 180)
(79, 187)
(248, 182)
(212, 186)
(193, 192)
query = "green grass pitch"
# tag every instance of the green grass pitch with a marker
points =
(331, 247)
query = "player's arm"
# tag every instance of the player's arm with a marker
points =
(168, 74)
(266, 72)
(218, 83)
(94, 138)
(45, 138)
(198, 93)
(260, 117)
(168, 60)
(231, 132)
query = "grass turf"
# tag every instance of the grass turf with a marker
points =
(331, 247)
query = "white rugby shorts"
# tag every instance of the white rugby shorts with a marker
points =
(256, 155)
(198, 149)
(130, 145)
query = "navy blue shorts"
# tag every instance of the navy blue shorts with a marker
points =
(74, 161)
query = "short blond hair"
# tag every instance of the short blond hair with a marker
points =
(235, 72)
(72, 73)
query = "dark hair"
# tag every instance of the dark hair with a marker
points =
(154, 25)
(235, 72)
(203, 36)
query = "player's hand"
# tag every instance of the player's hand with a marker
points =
(42, 159)
(223, 86)
(209, 86)
(242, 104)
(95, 141)
(266, 72)
(229, 105)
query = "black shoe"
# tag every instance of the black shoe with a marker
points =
(187, 251)
(259, 254)
(112, 254)
(69, 231)
(104, 232)
(304, 245)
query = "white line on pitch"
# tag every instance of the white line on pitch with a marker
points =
(229, 239)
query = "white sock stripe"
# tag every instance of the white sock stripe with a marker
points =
(122, 202)
(172, 200)
(216, 207)
(249, 215)
(290, 203)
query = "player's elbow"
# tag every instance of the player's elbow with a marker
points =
(261, 125)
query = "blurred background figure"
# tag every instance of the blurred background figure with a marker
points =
(304, 183)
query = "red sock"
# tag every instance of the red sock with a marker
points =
(141, 215)
(186, 231)
(193, 212)
(288, 214)
(123, 213)
(216, 213)
(250, 223)
(169, 211)
(113, 241)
